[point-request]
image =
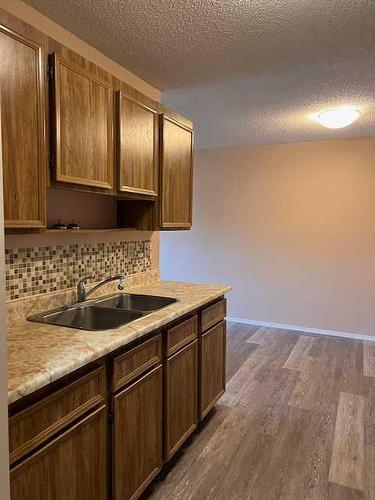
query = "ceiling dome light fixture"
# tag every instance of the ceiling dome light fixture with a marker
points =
(337, 117)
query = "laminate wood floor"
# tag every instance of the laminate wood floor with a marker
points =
(297, 422)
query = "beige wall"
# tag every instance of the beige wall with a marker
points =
(290, 227)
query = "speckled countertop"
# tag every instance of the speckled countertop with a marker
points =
(39, 354)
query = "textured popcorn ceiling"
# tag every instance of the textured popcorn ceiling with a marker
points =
(246, 71)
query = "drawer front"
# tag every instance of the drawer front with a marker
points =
(213, 314)
(136, 362)
(31, 427)
(181, 335)
(73, 466)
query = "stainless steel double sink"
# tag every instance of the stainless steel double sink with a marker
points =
(104, 313)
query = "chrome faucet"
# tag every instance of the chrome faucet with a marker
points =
(82, 294)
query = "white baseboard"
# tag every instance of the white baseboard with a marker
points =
(296, 328)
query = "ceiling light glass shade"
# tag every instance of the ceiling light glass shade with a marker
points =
(338, 117)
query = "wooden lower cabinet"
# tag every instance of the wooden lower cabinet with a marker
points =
(213, 314)
(61, 447)
(181, 397)
(138, 435)
(73, 466)
(212, 367)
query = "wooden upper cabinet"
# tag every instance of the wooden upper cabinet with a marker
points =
(83, 126)
(23, 131)
(137, 147)
(176, 163)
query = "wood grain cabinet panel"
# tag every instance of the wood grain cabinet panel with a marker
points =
(137, 361)
(182, 334)
(23, 131)
(213, 314)
(181, 397)
(34, 425)
(83, 126)
(212, 367)
(138, 435)
(176, 163)
(72, 467)
(137, 147)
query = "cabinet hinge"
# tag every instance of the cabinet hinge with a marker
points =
(52, 162)
(51, 72)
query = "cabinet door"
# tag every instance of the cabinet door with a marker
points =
(212, 367)
(137, 147)
(181, 397)
(138, 435)
(83, 126)
(176, 149)
(73, 466)
(23, 131)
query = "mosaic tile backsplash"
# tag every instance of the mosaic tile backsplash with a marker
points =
(31, 271)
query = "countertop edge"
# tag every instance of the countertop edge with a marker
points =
(87, 358)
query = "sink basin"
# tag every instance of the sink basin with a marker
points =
(104, 314)
(135, 302)
(87, 317)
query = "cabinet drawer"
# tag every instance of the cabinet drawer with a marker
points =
(181, 334)
(36, 424)
(213, 314)
(73, 466)
(136, 362)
